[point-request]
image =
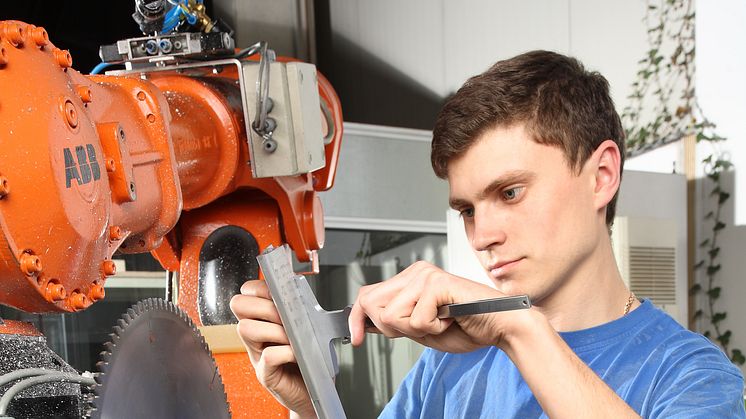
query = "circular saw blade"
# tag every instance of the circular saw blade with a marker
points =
(157, 365)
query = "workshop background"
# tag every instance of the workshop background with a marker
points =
(393, 63)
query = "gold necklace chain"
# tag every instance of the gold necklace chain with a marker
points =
(629, 303)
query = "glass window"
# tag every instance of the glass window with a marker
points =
(370, 374)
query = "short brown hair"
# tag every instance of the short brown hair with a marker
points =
(559, 102)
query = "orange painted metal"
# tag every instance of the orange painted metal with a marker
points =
(14, 327)
(260, 216)
(94, 164)
(59, 129)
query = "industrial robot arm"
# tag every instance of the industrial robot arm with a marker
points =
(196, 152)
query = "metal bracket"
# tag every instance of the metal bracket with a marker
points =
(309, 327)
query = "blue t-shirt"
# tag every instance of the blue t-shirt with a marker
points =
(659, 368)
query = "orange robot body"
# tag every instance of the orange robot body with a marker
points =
(80, 156)
(151, 160)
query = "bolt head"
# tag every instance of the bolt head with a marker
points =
(109, 268)
(63, 57)
(30, 264)
(40, 36)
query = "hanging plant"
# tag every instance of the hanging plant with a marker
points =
(663, 108)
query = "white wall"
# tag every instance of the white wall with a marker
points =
(440, 43)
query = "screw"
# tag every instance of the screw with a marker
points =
(84, 92)
(111, 165)
(70, 114)
(109, 268)
(14, 33)
(141, 95)
(78, 300)
(97, 292)
(4, 187)
(30, 264)
(115, 233)
(151, 118)
(54, 291)
(63, 57)
(40, 36)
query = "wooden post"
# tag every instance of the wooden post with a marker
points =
(690, 166)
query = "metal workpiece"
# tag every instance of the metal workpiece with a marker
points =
(310, 329)
(490, 305)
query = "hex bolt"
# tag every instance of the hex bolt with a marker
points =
(141, 95)
(40, 36)
(109, 268)
(14, 33)
(115, 233)
(63, 57)
(55, 292)
(78, 300)
(71, 115)
(4, 187)
(97, 292)
(30, 264)
(84, 92)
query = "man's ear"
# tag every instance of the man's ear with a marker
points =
(605, 163)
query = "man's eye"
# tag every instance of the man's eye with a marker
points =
(513, 193)
(467, 213)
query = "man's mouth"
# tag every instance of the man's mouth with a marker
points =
(501, 268)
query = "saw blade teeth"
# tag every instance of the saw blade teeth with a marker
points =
(121, 344)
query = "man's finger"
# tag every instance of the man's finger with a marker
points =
(256, 335)
(256, 288)
(249, 307)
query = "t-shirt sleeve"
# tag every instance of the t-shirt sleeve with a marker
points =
(407, 401)
(702, 393)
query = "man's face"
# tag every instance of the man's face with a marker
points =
(530, 219)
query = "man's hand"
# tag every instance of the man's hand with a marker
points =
(261, 330)
(407, 305)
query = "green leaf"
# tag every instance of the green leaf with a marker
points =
(724, 339)
(707, 159)
(712, 270)
(725, 164)
(697, 314)
(707, 334)
(705, 243)
(714, 293)
(737, 357)
(719, 226)
(718, 317)
(714, 252)
(699, 264)
(715, 190)
(723, 197)
(696, 288)
(709, 215)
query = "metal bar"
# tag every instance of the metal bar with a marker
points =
(490, 305)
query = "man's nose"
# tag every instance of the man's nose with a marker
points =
(489, 231)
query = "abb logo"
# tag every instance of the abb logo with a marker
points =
(82, 166)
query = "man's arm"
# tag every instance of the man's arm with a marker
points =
(562, 383)
(408, 304)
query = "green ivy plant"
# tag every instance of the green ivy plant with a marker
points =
(663, 108)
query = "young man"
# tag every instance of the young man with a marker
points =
(533, 151)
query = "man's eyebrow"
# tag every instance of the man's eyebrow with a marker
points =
(507, 179)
